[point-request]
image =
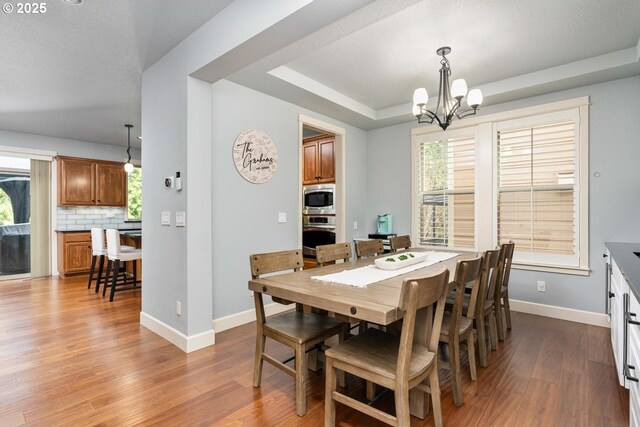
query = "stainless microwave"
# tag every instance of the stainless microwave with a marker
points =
(319, 199)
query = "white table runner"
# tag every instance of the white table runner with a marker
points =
(363, 276)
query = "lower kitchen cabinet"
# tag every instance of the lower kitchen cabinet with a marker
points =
(74, 253)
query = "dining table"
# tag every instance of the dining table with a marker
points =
(376, 302)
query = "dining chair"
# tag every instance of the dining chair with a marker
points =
(501, 298)
(334, 252)
(367, 248)
(117, 259)
(98, 255)
(458, 327)
(398, 363)
(399, 242)
(484, 316)
(297, 329)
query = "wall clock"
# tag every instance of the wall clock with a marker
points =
(255, 156)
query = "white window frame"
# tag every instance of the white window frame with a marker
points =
(484, 127)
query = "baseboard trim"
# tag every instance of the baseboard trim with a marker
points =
(177, 338)
(580, 316)
(231, 321)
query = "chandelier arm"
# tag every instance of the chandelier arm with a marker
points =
(466, 113)
(433, 116)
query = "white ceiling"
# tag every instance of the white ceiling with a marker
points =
(75, 71)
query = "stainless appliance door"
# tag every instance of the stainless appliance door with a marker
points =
(316, 236)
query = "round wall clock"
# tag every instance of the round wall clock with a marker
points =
(255, 156)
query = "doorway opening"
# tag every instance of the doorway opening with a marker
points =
(15, 217)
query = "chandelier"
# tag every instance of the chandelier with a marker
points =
(449, 97)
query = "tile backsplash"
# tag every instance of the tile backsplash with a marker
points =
(83, 218)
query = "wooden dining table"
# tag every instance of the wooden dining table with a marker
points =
(376, 303)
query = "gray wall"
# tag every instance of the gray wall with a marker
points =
(614, 197)
(245, 215)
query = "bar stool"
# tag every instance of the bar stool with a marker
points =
(99, 252)
(116, 255)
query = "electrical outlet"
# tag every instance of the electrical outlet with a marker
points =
(355, 225)
(542, 286)
(178, 308)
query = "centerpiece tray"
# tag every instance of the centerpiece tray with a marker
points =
(395, 261)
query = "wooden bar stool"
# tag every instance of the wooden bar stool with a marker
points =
(115, 256)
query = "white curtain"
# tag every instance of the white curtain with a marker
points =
(40, 218)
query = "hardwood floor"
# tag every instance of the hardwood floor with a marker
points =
(69, 357)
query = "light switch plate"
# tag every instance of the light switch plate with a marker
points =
(166, 218)
(181, 219)
(282, 217)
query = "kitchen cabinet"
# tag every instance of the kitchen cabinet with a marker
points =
(74, 253)
(319, 160)
(87, 182)
(623, 278)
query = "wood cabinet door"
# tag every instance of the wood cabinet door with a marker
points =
(111, 185)
(76, 182)
(326, 163)
(310, 163)
(77, 257)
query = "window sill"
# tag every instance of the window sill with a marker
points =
(575, 271)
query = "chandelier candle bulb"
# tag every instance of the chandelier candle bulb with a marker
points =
(459, 88)
(420, 96)
(475, 98)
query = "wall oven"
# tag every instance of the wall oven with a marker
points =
(319, 199)
(317, 230)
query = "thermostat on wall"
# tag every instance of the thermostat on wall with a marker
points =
(168, 182)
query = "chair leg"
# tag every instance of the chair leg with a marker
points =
(434, 385)
(91, 270)
(482, 341)
(370, 390)
(493, 334)
(472, 357)
(312, 360)
(329, 388)
(456, 377)
(301, 380)
(106, 279)
(403, 416)
(257, 364)
(116, 271)
(100, 271)
(341, 375)
(507, 310)
(497, 306)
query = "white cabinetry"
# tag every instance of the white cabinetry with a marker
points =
(632, 367)
(619, 290)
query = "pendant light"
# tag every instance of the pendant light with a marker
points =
(128, 167)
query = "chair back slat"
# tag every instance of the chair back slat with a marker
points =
(399, 242)
(416, 294)
(504, 267)
(466, 271)
(334, 252)
(488, 280)
(366, 248)
(272, 262)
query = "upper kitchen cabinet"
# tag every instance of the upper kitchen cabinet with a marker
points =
(319, 160)
(86, 182)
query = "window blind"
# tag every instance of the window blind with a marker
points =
(446, 186)
(536, 188)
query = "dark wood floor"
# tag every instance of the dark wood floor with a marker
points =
(69, 357)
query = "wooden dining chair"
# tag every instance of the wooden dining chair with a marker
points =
(484, 316)
(399, 242)
(398, 363)
(367, 248)
(334, 252)
(458, 327)
(501, 296)
(297, 329)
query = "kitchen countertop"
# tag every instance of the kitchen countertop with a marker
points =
(127, 230)
(628, 262)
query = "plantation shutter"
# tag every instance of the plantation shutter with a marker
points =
(537, 188)
(446, 187)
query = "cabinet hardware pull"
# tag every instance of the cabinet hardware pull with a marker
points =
(611, 295)
(627, 373)
(604, 255)
(630, 320)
